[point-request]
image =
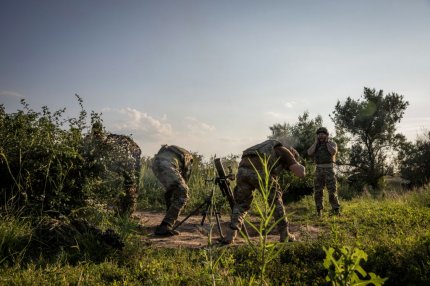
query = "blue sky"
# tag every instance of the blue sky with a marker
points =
(212, 76)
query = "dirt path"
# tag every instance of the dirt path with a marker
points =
(194, 235)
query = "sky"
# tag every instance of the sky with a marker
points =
(213, 76)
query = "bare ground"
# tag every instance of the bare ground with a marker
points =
(193, 234)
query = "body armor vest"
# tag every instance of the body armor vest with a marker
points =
(266, 148)
(185, 156)
(322, 155)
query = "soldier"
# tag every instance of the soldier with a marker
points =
(125, 161)
(324, 152)
(279, 158)
(172, 166)
(118, 154)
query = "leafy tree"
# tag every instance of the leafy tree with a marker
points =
(370, 124)
(415, 161)
(300, 135)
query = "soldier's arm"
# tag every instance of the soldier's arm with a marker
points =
(332, 147)
(311, 149)
(289, 162)
(298, 170)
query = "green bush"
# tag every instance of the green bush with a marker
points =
(46, 167)
(41, 166)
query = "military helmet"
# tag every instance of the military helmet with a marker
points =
(322, 130)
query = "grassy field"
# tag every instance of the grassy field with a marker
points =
(392, 230)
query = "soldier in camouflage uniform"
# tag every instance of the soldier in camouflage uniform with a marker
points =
(279, 158)
(324, 153)
(172, 166)
(118, 154)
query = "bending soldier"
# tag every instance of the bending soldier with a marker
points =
(280, 158)
(172, 167)
(324, 152)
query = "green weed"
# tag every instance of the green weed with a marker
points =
(345, 269)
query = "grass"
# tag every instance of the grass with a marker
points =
(392, 230)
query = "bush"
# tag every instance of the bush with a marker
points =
(415, 162)
(40, 162)
(47, 169)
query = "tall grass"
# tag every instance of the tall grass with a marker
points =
(402, 254)
(264, 250)
(15, 236)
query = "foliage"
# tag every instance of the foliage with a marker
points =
(346, 269)
(300, 135)
(150, 190)
(46, 168)
(371, 125)
(15, 235)
(265, 207)
(415, 161)
(295, 188)
(40, 161)
(45, 172)
(391, 230)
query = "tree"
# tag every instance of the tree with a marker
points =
(415, 161)
(370, 123)
(300, 135)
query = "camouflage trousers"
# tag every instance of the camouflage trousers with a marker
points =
(324, 177)
(247, 182)
(166, 169)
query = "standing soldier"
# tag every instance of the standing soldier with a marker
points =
(250, 168)
(172, 167)
(324, 152)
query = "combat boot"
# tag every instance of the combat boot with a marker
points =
(335, 212)
(230, 236)
(165, 230)
(286, 236)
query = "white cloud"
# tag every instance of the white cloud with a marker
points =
(289, 104)
(130, 120)
(196, 127)
(7, 93)
(275, 114)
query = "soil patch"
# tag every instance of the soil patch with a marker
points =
(194, 234)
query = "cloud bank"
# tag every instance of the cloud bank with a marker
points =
(8, 93)
(132, 121)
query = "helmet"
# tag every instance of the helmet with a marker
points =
(322, 130)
